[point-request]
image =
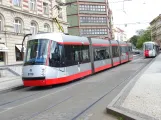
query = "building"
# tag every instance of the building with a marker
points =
(155, 26)
(119, 34)
(19, 17)
(110, 17)
(90, 18)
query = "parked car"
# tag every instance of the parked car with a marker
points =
(136, 51)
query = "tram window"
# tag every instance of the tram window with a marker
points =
(85, 54)
(75, 54)
(69, 58)
(101, 53)
(115, 51)
(55, 55)
(72, 55)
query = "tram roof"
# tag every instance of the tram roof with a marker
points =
(150, 42)
(62, 38)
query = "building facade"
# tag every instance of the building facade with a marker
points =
(155, 26)
(90, 18)
(20, 17)
(119, 34)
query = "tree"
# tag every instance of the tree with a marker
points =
(134, 39)
(143, 37)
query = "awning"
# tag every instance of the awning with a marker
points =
(3, 48)
(19, 47)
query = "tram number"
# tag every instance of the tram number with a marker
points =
(30, 74)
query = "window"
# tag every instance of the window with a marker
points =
(33, 28)
(33, 5)
(17, 25)
(16, 2)
(19, 54)
(46, 28)
(123, 50)
(56, 58)
(45, 8)
(60, 15)
(85, 54)
(97, 8)
(101, 53)
(87, 19)
(75, 54)
(1, 56)
(96, 31)
(1, 24)
(115, 51)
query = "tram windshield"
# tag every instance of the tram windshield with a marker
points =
(148, 46)
(36, 52)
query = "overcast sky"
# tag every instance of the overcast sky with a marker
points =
(143, 11)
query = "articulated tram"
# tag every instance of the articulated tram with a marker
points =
(54, 58)
(151, 49)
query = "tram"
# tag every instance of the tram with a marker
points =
(151, 49)
(54, 58)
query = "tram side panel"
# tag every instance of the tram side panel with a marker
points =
(77, 61)
(101, 54)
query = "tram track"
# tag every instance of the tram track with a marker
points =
(87, 108)
(128, 78)
(40, 92)
(93, 103)
(60, 101)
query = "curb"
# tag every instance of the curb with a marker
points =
(125, 115)
(11, 89)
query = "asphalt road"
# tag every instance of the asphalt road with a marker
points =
(80, 100)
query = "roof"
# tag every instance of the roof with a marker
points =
(155, 18)
(151, 42)
(68, 39)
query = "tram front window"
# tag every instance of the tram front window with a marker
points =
(148, 46)
(36, 52)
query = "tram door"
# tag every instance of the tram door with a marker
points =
(84, 59)
(72, 59)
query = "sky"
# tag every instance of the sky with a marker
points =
(134, 11)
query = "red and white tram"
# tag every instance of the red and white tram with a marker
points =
(151, 49)
(54, 58)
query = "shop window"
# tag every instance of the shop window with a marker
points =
(1, 56)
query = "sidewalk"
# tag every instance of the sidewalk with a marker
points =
(10, 83)
(141, 97)
(10, 80)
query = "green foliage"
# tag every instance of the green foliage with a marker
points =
(134, 39)
(120, 118)
(143, 36)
